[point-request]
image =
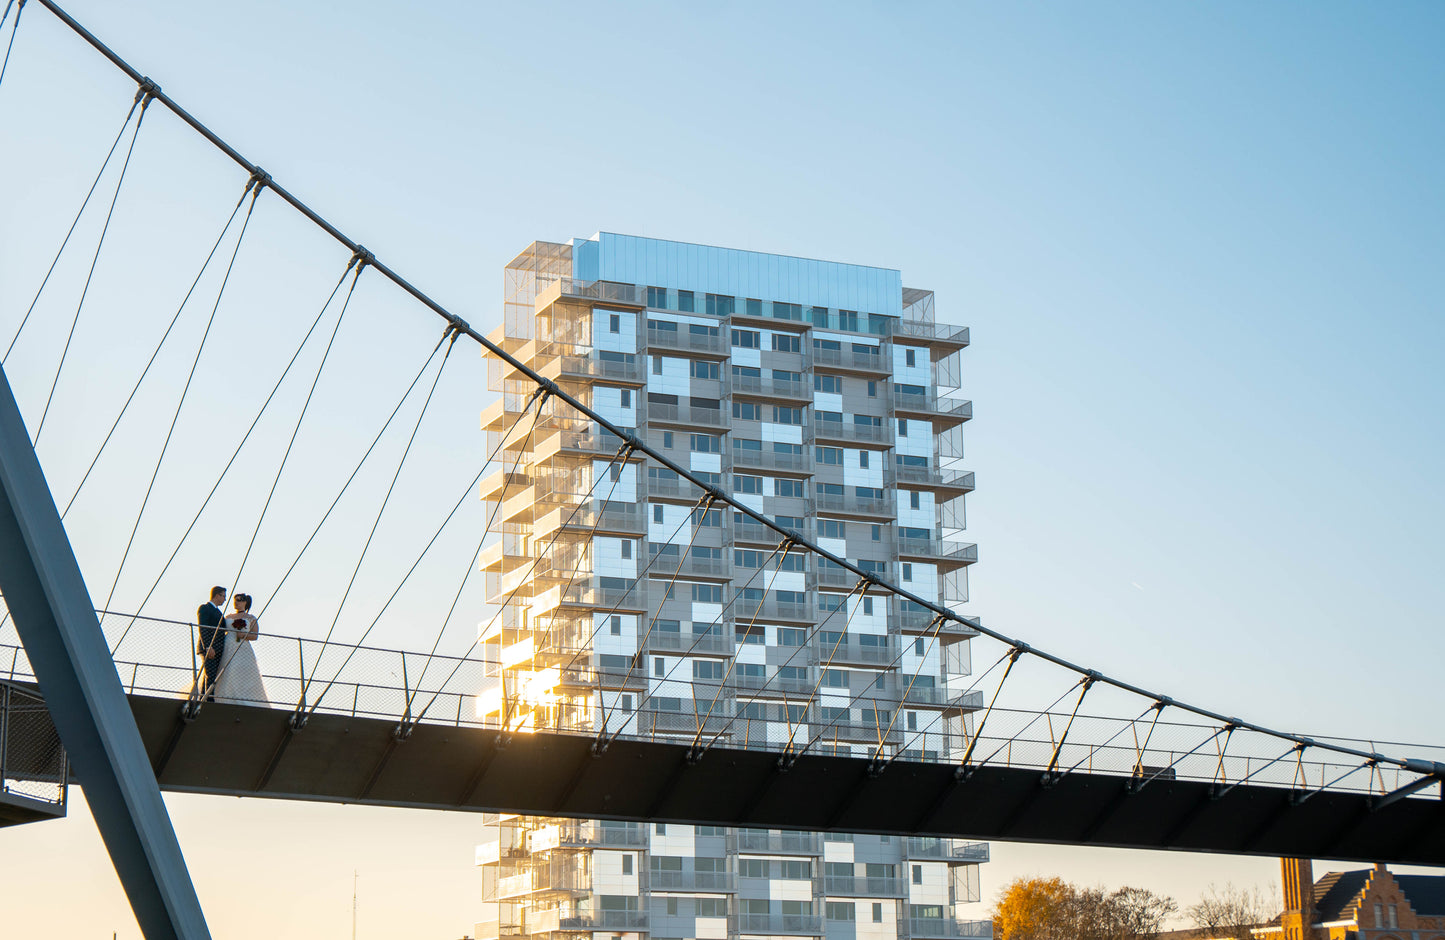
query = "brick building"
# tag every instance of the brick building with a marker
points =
(1366, 904)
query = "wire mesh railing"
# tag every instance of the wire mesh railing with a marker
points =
(32, 758)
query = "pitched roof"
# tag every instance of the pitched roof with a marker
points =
(1426, 893)
(1335, 892)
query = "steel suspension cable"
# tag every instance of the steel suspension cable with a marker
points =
(310, 393)
(255, 191)
(466, 491)
(449, 337)
(154, 354)
(145, 100)
(13, 30)
(71, 231)
(355, 470)
(236, 453)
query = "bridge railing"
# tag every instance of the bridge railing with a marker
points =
(32, 759)
(158, 657)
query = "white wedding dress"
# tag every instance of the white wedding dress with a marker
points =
(239, 682)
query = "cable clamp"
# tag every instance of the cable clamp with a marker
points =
(145, 91)
(362, 257)
(260, 179)
(459, 325)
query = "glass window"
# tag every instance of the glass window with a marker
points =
(718, 305)
(795, 869)
(614, 323)
(657, 297)
(914, 500)
(711, 907)
(661, 326)
(909, 359)
(753, 868)
(832, 529)
(907, 571)
(627, 863)
(835, 679)
(780, 447)
(627, 703)
(863, 459)
(657, 667)
(829, 455)
(747, 372)
(616, 625)
(627, 548)
(902, 427)
(787, 487)
(797, 674)
(832, 384)
(877, 912)
(746, 339)
(867, 492)
(785, 415)
(747, 484)
(702, 368)
(918, 646)
(748, 411)
(626, 396)
(707, 669)
(685, 304)
(913, 721)
(917, 876)
(707, 593)
(868, 606)
(656, 365)
(657, 514)
(872, 389)
(667, 439)
(786, 342)
(711, 519)
(755, 307)
(791, 636)
(706, 443)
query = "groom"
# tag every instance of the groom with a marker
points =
(213, 638)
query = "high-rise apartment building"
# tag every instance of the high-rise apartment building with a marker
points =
(816, 393)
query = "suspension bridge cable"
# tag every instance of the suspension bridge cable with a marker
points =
(236, 453)
(463, 327)
(13, 30)
(255, 191)
(154, 354)
(95, 259)
(355, 470)
(296, 429)
(466, 491)
(401, 464)
(70, 231)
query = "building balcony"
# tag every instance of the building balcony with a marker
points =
(765, 842)
(574, 441)
(598, 920)
(852, 504)
(953, 850)
(583, 594)
(940, 412)
(711, 882)
(943, 335)
(834, 576)
(771, 460)
(683, 340)
(768, 387)
(693, 644)
(673, 487)
(772, 609)
(749, 686)
(612, 292)
(847, 432)
(689, 566)
(685, 415)
(862, 887)
(618, 835)
(773, 924)
(649, 722)
(851, 653)
(611, 518)
(946, 555)
(748, 529)
(853, 360)
(628, 371)
(920, 622)
(947, 928)
(947, 485)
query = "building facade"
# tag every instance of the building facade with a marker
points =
(817, 393)
(1365, 904)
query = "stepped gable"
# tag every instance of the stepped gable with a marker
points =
(1336, 893)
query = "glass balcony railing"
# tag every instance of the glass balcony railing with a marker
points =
(722, 882)
(860, 886)
(852, 359)
(764, 842)
(947, 928)
(931, 332)
(852, 432)
(770, 387)
(682, 414)
(852, 503)
(715, 344)
(780, 924)
(769, 459)
(947, 849)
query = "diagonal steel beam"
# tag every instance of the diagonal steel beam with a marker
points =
(57, 624)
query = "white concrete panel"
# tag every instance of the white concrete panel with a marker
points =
(925, 665)
(706, 613)
(753, 501)
(920, 374)
(607, 876)
(708, 463)
(669, 839)
(752, 652)
(625, 643)
(682, 317)
(674, 378)
(838, 547)
(789, 580)
(742, 356)
(624, 340)
(608, 560)
(625, 490)
(827, 401)
(846, 338)
(925, 579)
(918, 441)
(924, 517)
(712, 928)
(790, 890)
(838, 852)
(934, 889)
(875, 623)
(675, 526)
(607, 401)
(786, 433)
(855, 474)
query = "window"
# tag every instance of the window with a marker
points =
(785, 342)
(863, 459)
(798, 674)
(665, 863)
(657, 667)
(918, 875)
(748, 558)
(661, 326)
(913, 721)
(712, 519)
(616, 625)
(1392, 916)
(867, 421)
(902, 427)
(907, 571)
(830, 417)
(782, 311)
(783, 375)
(830, 601)
(868, 606)
(747, 372)
(747, 484)
(627, 864)
(747, 411)
(830, 489)
(707, 593)
(627, 548)
(751, 671)
(657, 514)
(832, 529)
(837, 837)
(911, 460)
(752, 635)
(791, 636)
(872, 389)
(830, 455)
(707, 669)
(910, 358)
(877, 532)
(786, 487)
(747, 443)
(746, 339)
(754, 307)
(614, 323)
(698, 329)
(791, 562)
(616, 902)
(711, 907)
(832, 384)
(717, 305)
(626, 396)
(790, 522)
(753, 868)
(796, 713)
(685, 303)
(867, 492)
(877, 906)
(627, 702)
(667, 626)
(782, 414)
(667, 439)
(614, 473)
(657, 297)
(792, 597)
(661, 829)
(915, 501)
(706, 444)
(795, 869)
(835, 679)
(671, 906)
(702, 368)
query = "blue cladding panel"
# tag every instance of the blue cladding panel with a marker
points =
(704, 269)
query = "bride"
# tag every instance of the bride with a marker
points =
(239, 681)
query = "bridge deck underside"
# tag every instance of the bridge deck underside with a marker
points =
(16, 810)
(245, 751)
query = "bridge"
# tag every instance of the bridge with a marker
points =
(1031, 747)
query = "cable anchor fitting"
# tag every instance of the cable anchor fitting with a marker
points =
(361, 258)
(260, 179)
(145, 91)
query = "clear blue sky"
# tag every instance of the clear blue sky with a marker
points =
(1198, 246)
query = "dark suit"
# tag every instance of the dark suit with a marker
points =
(213, 637)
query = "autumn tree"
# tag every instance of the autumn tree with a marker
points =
(1053, 909)
(1231, 911)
